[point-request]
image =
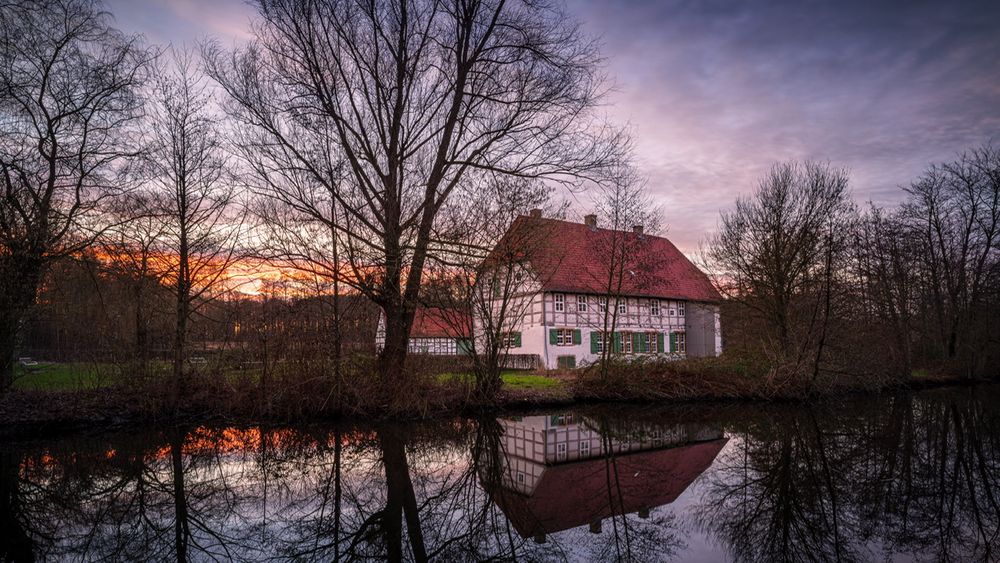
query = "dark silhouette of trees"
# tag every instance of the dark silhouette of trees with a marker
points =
(186, 163)
(774, 243)
(69, 86)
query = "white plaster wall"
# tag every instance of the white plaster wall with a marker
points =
(704, 337)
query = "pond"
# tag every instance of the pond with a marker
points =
(898, 478)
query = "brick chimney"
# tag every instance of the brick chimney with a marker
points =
(590, 220)
(637, 229)
(535, 213)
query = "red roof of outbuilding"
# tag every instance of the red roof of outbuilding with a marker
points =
(436, 322)
(570, 257)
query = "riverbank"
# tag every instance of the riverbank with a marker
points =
(57, 408)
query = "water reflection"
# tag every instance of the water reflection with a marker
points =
(903, 477)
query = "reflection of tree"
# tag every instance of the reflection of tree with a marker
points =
(908, 474)
(918, 477)
(15, 543)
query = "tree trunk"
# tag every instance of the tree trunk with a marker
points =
(141, 332)
(15, 542)
(399, 493)
(182, 531)
(22, 276)
(398, 321)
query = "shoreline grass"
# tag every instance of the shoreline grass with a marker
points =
(63, 396)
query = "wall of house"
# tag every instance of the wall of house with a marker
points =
(704, 334)
(541, 316)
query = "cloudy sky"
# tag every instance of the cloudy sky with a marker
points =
(716, 91)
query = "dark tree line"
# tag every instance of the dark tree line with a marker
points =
(822, 290)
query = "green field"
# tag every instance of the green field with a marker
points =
(512, 379)
(56, 377)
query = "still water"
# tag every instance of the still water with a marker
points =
(895, 478)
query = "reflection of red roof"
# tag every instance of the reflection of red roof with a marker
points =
(576, 494)
(570, 259)
(435, 322)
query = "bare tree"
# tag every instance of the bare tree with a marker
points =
(416, 96)
(778, 240)
(133, 251)
(68, 93)
(955, 207)
(625, 264)
(186, 162)
(483, 280)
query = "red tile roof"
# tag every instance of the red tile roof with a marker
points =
(575, 494)
(572, 257)
(436, 322)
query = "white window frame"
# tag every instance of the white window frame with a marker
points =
(560, 302)
(581, 303)
(507, 340)
(584, 447)
(681, 342)
(651, 341)
(561, 450)
(564, 337)
(625, 339)
(622, 306)
(654, 307)
(680, 309)
(600, 341)
(602, 304)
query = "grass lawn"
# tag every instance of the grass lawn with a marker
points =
(513, 379)
(55, 377)
(522, 380)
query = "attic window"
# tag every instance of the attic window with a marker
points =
(560, 302)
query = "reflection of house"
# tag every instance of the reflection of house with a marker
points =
(560, 474)
(435, 331)
(665, 306)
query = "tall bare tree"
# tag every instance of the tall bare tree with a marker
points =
(625, 264)
(133, 251)
(955, 208)
(186, 162)
(484, 282)
(416, 96)
(69, 96)
(778, 240)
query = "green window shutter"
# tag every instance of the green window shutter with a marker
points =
(617, 338)
(673, 342)
(517, 339)
(659, 342)
(577, 336)
(593, 342)
(552, 336)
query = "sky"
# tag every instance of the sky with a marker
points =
(717, 91)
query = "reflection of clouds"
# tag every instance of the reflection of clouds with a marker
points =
(717, 91)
